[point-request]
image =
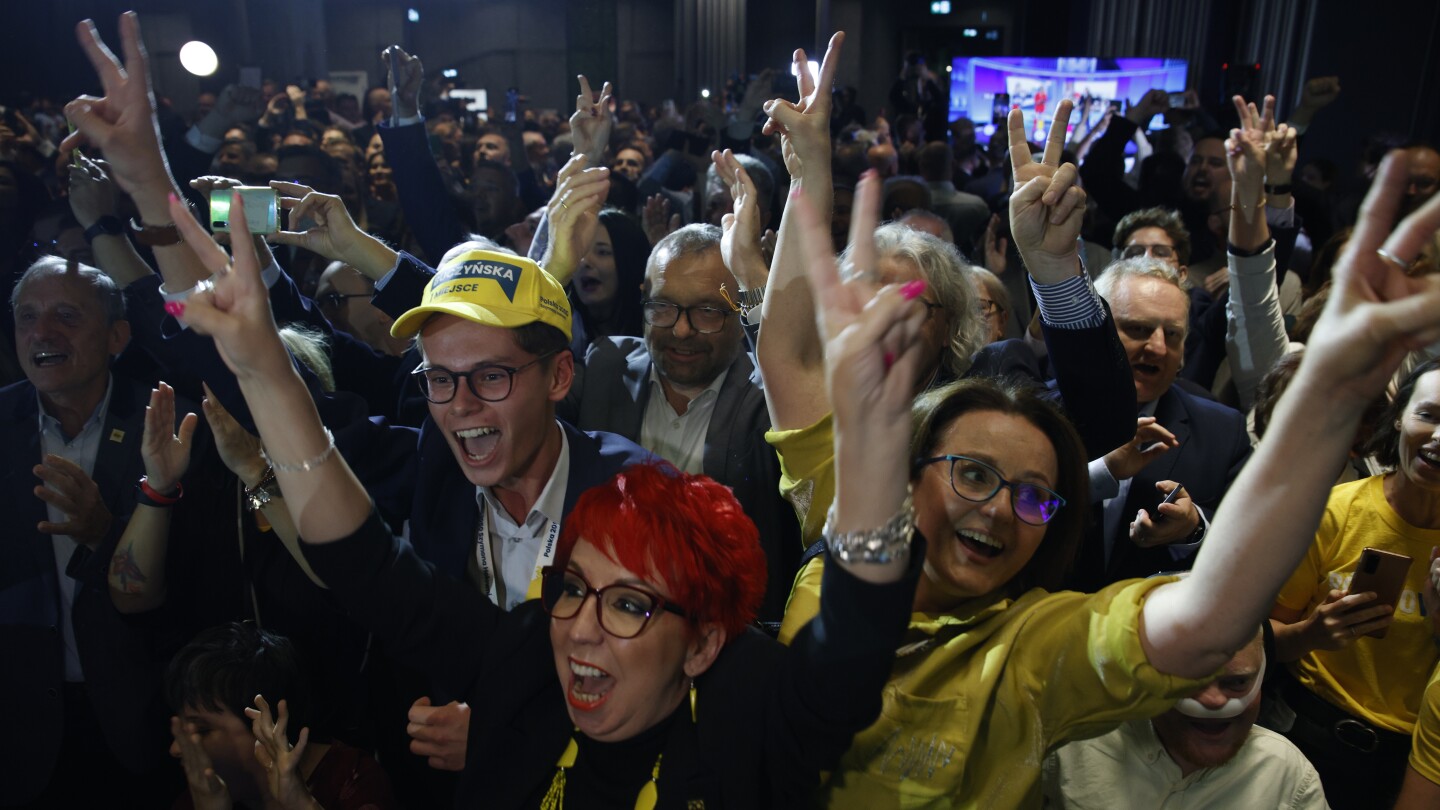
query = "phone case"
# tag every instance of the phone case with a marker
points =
(261, 208)
(1382, 572)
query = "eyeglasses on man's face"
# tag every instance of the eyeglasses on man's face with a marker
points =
(706, 320)
(491, 382)
(974, 480)
(335, 300)
(623, 610)
(1159, 251)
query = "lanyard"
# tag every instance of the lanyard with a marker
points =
(482, 553)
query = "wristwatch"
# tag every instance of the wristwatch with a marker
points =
(751, 298)
(105, 226)
(155, 235)
(265, 491)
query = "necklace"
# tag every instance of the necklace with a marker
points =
(555, 796)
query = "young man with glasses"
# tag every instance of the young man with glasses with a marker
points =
(493, 332)
(689, 392)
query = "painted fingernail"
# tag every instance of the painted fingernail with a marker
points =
(171, 197)
(175, 308)
(913, 290)
(795, 194)
(889, 360)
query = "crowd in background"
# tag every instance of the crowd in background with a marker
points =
(1098, 329)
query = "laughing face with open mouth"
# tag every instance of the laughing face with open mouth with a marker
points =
(506, 442)
(617, 687)
(1420, 434)
(977, 548)
(63, 337)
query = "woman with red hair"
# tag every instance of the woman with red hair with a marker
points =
(653, 691)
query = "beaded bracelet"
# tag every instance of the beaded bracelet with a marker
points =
(308, 464)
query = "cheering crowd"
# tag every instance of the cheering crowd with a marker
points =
(1047, 490)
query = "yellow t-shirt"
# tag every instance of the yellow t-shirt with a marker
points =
(1380, 680)
(807, 472)
(1425, 749)
(978, 697)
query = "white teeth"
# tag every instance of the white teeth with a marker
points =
(983, 539)
(474, 433)
(1430, 456)
(585, 671)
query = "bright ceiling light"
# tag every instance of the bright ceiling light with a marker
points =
(198, 58)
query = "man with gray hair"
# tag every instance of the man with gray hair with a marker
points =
(1183, 439)
(690, 393)
(84, 693)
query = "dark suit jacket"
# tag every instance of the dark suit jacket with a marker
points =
(1213, 447)
(611, 393)
(120, 655)
(769, 718)
(444, 518)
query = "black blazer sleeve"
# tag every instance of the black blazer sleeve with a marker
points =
(1096, 386)
(423, 195)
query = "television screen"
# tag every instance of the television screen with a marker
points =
(985, 88)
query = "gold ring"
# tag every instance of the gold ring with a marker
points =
(1393, 259)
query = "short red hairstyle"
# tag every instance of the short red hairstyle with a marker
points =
(687, 530)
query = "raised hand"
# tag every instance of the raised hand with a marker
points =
(574, 214)
(407, 84)
(207, 789)
(331, 232)
(657, 219)
(1320, 92)
(239, 449)
(740, 243)
(1048, 205)
(1282, 146)
(283, 777)
(69, 489)
(873, 354)
(92, 194)
(1154, 102)
(121, 124)
(233, 305)
(1151, 441)
(440, 733)
(165, 451)
(804, 128)
(1245, 153)
(996, 247)
(1376, 313)
(591, 122)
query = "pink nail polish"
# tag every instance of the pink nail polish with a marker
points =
(171, 197)
(913, 290)
(795, 194)
(175, 308)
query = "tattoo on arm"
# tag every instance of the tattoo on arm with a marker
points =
(126, 572)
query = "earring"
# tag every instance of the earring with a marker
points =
(692, 701)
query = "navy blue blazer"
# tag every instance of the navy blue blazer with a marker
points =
(123, 657)
(1213, 447)
(444, 516)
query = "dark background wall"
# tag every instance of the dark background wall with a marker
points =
(1385, 51)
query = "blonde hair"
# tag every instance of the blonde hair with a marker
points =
(312, 349)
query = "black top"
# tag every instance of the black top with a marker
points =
(770, 718)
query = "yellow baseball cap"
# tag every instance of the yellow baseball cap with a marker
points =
(495, 289)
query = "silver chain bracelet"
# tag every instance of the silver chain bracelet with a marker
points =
(887, 544)
(308, 464)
